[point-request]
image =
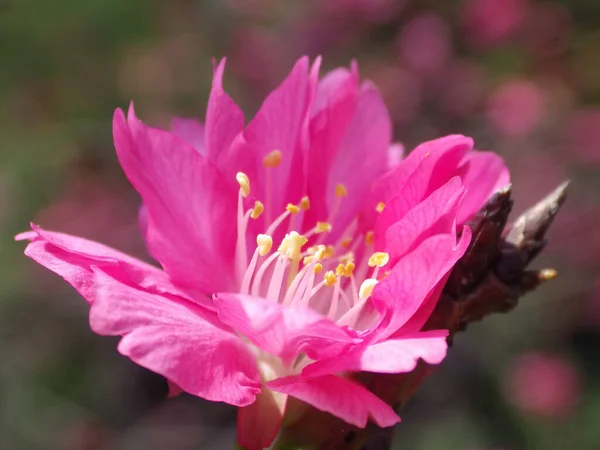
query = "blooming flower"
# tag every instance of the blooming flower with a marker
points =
(292, 253)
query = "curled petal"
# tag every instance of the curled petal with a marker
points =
(399, 355)
(343, 398)
(177, 339)
(73, 257)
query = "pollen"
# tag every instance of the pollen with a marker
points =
(330, 278)
(340, 270)
(366, 288)
(257, 210)
(318, 268)
(322, 227)
(291, 246)
(341, 191)
(293, 209)
(304, 203)
(244, 183)
(273, 159)
(264, 243)
(379, 259)
(369, 237)
(380, 207)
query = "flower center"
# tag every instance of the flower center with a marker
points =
(328, 278)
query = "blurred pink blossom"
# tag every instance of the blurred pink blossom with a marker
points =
(425, 43)
(548, 29)
(462, 88)
(583, 134)
(516, 107)
(543, 385)
(490, 22)
(367, 10)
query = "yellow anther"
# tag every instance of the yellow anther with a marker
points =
(319, 253)
(384, 275)
(329, 251)
(264, 243)
(340, 270)
(340, 190)
(366, 288)
(379, 259)
(322, 227)
(318, 268)
(369, 237)
(346, 242)
(330, 278)
(273, 159)
(347, 257)
(257, 210)
(380, 207)
(304, 203)
(307, 260)
(292, 208)
(244, 183)
(291, 246)
(349, 269)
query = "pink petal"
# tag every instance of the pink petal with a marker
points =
(399, 230)
(224, 121)
(332, 110)
(278, 125)
(258, 423)
(177, 339)
(73, 258)
(191, 131)
(425, 169)
(398, 355)
(282, 331)
(483, 174)
(191, 208)
(343, 398)
(405, 289)
(365, 147)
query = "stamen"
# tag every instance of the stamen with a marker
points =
(349, 269)
(323, 227)
(369, 237)
(277, 279)
(291, 246)
(256, 285)
(366, 288)
(257, 210)
(244, 183)
(318, 268)
(329, 252)
(329, 278)
(346, 242)
(341, 191)
(379, 259)
(304, 203)
(380, 206)
(273, 159)
(335, 298)
(264, 243)
(292, 209)
(245, 288)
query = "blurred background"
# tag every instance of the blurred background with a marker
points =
(521, 76)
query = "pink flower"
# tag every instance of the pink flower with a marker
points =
(291, 256)
(548, 386)
(516, 107)
(491, 22)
